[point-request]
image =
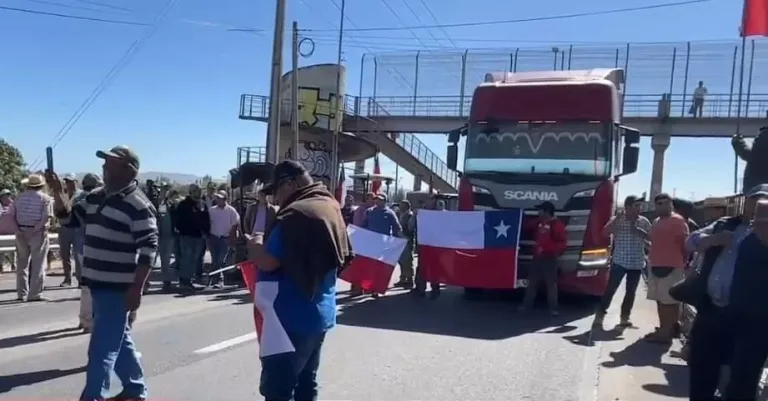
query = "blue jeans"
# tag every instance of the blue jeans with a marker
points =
(218, 246)
(165, 245)
(614, 280)
(111, 347)
(192, 249)
(293, 375)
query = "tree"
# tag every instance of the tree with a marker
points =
(11, 166)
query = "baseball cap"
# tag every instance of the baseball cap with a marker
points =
(91, 180)
(546, 206)
(381, 196)
(121, 152)
(284, 170)
(5, 192)
(70, 177)
(758, 190)
(221, 194)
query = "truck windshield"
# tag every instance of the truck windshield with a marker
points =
(545, 148)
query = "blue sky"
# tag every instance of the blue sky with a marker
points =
(177, 102)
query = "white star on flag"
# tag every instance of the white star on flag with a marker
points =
(501, 229)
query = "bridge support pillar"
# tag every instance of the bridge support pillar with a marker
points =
(417, 183)
(659, 144)
(358, 186)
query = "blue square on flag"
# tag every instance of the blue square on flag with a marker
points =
(502, 228)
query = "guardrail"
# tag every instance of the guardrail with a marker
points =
(8, 242)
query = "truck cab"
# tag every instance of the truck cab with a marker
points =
(550, 136)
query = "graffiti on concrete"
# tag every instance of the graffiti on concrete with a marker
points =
(316, 110)
(315, 156)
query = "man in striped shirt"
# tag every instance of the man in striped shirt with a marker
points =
(120, 244)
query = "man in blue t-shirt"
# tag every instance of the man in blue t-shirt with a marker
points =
(296, 282)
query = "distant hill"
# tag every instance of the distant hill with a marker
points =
(177, 178)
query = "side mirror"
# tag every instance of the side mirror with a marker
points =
(630, 158)
(452, 156)
(631, 136)
(454, 136)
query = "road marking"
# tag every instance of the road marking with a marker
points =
(226, 344)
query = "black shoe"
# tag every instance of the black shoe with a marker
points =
(66, 283)
(418, 293)
(167, 287)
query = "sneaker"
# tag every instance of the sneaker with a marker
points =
(38, 298)
(625, 322)
(66, 283)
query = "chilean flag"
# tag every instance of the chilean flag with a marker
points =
(470, 249)
(375, 258)
(273, 339)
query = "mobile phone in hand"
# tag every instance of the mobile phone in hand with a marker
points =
(49, 158)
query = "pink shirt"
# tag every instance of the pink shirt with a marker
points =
(668, 235)
(222, 220)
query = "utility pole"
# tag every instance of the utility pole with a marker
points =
(295, 91)
(339, 109)
(273, 124)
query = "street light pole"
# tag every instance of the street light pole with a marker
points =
(339, 109)
(273, 124)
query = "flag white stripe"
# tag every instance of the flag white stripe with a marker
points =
(449, 229)
(381, 247)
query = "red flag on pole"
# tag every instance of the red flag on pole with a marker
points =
(376, 185)
(248, 270)
(755, 18)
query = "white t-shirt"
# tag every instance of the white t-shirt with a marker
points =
(700, 92)
(222, 220)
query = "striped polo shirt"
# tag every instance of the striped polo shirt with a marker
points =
(120, 234)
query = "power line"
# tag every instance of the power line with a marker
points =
(70, 16)
(531, 19)
(105, 5)
(63, 5)
(434, 18)
(111, 76)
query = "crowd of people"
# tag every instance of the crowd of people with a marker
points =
(296, 235)
(718, 269)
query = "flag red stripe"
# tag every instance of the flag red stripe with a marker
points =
(248, 270)
(369, 274)
(473, 268)
(755, 18)
(376, 185)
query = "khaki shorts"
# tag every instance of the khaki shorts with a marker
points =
(658, 287)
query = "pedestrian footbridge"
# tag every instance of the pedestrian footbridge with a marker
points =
(403, 148)
(648, 113)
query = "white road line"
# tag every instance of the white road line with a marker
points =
(226, 344)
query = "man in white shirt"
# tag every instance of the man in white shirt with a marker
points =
(224, 220)
(698, 100)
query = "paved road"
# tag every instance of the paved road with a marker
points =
(201, 348)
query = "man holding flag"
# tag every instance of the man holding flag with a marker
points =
(295, 291)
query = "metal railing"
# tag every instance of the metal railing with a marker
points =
(715, 106)
(416, 148)
(245, 154)
(719, 105)
(257, 107)
(651, 67)
(8, 242)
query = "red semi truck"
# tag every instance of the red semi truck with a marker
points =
(550, 136)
